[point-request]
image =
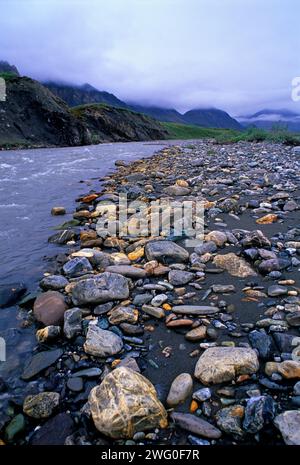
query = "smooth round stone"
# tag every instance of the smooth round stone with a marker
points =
(181, 389)
(159, 299)
(276, 290)
(54, 282)
(75, 384)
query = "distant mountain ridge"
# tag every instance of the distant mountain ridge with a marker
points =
(268, 118)
(86, 94)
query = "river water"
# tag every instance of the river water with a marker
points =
(31, 183)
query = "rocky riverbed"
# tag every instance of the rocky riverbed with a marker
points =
(146, 340)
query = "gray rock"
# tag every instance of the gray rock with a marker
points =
(262, 342)
(293, 318)
(131, 330)
(72, 322)
(103, 288)
(102, 343)
(87, 373)
(127, 270)
(153, 311)
(54, 432)
(62, 237)
(276, 290)
(101, 260)
(141, 299)
(284, 341)
(159, 300)
(103, 308)
(259, 411)
(255, 239)
(202, 394)
(223, 288)
(75, 384)
(288, 424)
(40, 362)
(297, 389)
(54, 282)
(180, 390)
(177, 190)
(229, 420)
(195, 309)
(274, 264)
(206, 247)
(178, 278)
(166, 251)
(77, 266)
(290, 206)
(195, 425)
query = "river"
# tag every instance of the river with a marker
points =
(31, 183)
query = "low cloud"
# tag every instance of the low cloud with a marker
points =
(238, 56)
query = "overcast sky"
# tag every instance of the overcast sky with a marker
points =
(238, 55)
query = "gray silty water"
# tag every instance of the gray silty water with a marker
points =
(32, 182)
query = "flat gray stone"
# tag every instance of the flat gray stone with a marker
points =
(40, 362)
(195, 309)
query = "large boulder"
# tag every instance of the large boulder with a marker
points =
(288, 424)
(49, 308)
(220, 364)
(165, 251)
(102, 343)
(126, 403)
(235, 265)
(100, 289)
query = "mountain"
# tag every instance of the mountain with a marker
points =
(5, 67)
(211, 118)
(169, 115)
(32, 116)
(267, 119)
(80, 95)
(111, 124)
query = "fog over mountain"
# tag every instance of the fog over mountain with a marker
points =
(182, 54)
